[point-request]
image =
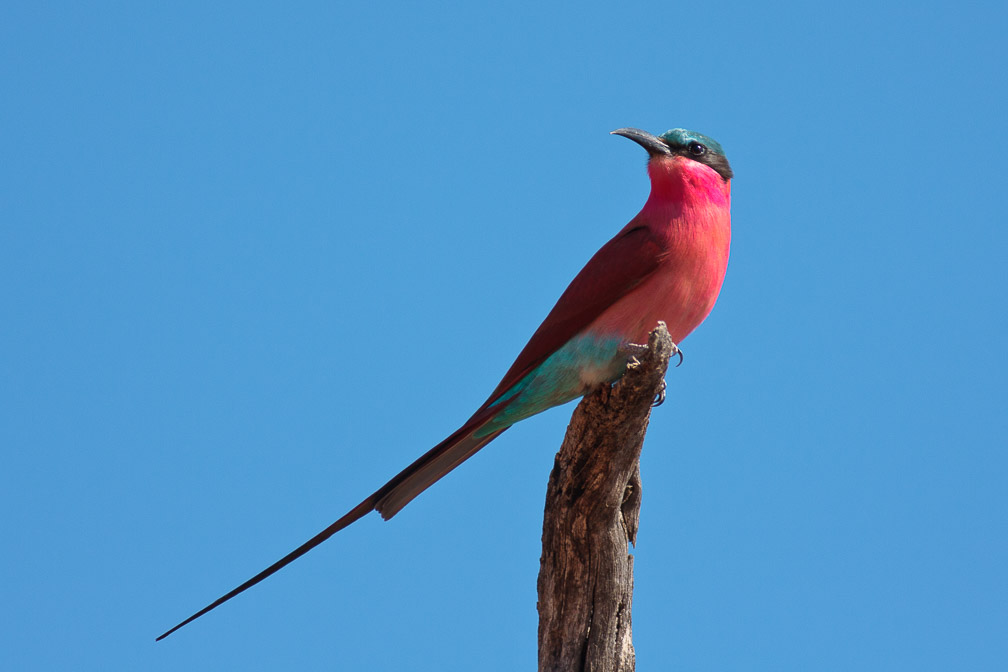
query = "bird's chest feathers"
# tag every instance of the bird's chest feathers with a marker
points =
(681, 292)
(694, 222)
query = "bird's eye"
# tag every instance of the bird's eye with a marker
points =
(696, 149)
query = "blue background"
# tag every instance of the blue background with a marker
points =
(255, 258)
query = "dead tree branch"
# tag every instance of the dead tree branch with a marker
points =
(592, 510)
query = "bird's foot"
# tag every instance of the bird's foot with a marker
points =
(636, 349)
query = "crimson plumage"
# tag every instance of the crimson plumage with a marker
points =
(667, 264)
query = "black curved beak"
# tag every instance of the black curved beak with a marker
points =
(654, 145)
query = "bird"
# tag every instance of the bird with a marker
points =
(667, 264)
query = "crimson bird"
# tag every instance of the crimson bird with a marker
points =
(667, 265)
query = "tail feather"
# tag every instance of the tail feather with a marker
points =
(388, 500)
(422, 474)
(351, 516)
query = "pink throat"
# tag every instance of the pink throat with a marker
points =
(681, 183)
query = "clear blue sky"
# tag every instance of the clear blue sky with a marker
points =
(256, 258)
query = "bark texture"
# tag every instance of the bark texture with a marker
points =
(592, 510)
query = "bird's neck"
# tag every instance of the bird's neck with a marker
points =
(679, 184)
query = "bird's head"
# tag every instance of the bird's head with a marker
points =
(679, 145)
(685, 167)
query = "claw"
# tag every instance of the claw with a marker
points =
(677, 351)
(660, 397)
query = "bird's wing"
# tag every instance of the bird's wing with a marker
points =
(622, 264)
(618, 267)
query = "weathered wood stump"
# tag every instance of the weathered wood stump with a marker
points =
(592, 511)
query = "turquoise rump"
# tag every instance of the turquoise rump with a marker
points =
(579, 365)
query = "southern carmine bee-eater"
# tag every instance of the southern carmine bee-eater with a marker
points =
(667, 264)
